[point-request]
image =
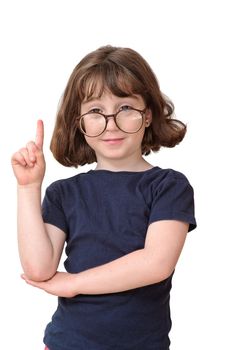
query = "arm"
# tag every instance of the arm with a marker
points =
(40, 245)
(152, 264)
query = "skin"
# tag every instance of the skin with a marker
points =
(41, 245)
(126, 154)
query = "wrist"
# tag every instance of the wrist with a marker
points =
(74, 284)
(29, 193)
(29, 187)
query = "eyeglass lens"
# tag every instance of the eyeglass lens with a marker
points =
(94, 124)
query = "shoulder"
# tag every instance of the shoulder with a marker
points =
(158, 177)
(166, 185)
(172, 198)
(174, 176)
(171, 173)
(157, 182)
(66, 184)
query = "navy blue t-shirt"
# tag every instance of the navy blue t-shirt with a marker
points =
(105, 215)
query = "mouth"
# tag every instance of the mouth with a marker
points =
(113, 141)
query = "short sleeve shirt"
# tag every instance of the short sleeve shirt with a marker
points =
(105, 215)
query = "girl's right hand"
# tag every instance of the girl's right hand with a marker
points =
(28, 163)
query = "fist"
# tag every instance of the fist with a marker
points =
(28, 163)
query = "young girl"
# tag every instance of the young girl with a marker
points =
(124, 223)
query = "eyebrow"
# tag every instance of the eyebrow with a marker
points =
(91, 99)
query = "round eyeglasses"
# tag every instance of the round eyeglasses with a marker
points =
(128, 120)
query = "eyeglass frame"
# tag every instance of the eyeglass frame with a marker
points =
(114, 115)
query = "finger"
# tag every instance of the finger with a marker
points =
(18, 159)
(39, 134)
(31, 147)
(24, 153)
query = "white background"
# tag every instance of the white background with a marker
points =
(189, 46)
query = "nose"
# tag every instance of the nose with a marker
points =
(111, 125)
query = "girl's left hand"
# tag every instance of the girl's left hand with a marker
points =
(61, 284)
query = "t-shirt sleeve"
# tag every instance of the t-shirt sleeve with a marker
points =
(173, 199)
(52, 210)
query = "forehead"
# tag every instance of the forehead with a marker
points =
(116, 81)
(108, 97)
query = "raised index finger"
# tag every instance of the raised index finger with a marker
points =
(39, 134)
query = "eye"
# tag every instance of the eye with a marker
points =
(126, 108)
(95, 110)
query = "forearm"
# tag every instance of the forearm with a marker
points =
(35, 248)
(152, 264)
(133, 270)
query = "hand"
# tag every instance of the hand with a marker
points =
(61, 284)
(28, 163)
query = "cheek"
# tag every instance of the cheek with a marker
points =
(141, 134)
(90, 141)
(94, 143)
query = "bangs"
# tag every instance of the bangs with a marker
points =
(109, 77)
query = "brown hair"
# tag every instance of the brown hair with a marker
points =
(123, 72)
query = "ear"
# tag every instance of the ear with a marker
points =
(148, 118)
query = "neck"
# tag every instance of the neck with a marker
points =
(124, 165)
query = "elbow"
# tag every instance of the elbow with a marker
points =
(164, 274)
(160, 272)
(38, 274)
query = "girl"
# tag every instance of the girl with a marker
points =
(124, 223)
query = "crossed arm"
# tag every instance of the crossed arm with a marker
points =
(41, 245)
(152, 264)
